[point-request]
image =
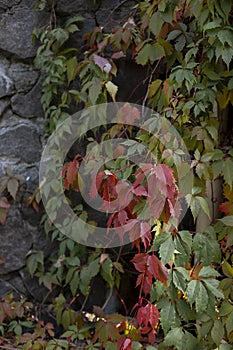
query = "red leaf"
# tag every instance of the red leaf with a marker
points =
(70, 173)
(226, 208)
(96, 184)
(140, 262)
(4, 203)
(157, 269)
(124, 344)
(122, 217)
(147, 319)
(127, 113)
(140, 191)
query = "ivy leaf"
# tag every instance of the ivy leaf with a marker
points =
(217, 332)
(156, 23)
(71, 69)
(106, 272)
(167, 316)
(193, 291)
(95, 90)
(144, 55)
(166, 250)
(86, 275)
(228, 171)
(227, 220)
(175, 337)
(227, 55)
(206, 249)
(12, 187)
(212, 286)
(180, 277)
(201, 299)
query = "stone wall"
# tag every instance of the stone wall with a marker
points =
(22, 121)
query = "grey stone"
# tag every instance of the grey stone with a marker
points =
(69, 7)
(28, 105)
(6, 4)
(15, 242)
(4, 105)
(117, 10)
(12, 283)
(16, 26)
(21, 141)
(23, 76)
(6, 84)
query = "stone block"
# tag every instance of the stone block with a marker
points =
(15, 242)
(22, 142)
(28, 105)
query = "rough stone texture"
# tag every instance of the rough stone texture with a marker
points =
(23, 76)
(6, 83)
(19, 241)
(17, 24)
(28, 105)
(27, 148)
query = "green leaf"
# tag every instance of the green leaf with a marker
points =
(106, 272)
(75, 282)
(229, 324)
(156, 23)
(71, 68)
(175, 337)
(156, 52)
(143, 55)
(227, 55)
(202, 299)
(206, 249)
(173, 34)
(211, 25)
(227, 269)
(203, 205)
(212, 286)
(184, 310)
(225, 36)
(207, 271)
(193, 291)
(166, 250)
(183, 246)
(180, 277)
(95, 90)
(217, 332)
(154, 87)
(167, 316)
(86, 275)
(227, 220)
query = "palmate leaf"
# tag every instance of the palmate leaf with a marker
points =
(180, 276)
(202, 299)
(183, 245)
(168, 316)
(206, 249)
(166, 250)
(193, 291)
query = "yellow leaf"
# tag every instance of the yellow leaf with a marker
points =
(112, 90)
